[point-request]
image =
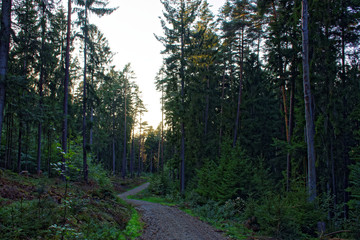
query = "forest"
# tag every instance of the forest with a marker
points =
(260, 105)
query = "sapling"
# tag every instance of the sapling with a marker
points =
(63, 169)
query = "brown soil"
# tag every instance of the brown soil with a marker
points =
(169, 223)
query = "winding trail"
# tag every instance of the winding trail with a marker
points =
(169, 223)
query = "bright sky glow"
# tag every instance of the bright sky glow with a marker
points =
(130, 31)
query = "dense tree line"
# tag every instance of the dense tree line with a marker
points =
(235, 107)
(57, 97)
(238, 117)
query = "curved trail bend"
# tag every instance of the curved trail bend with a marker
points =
(169, 223)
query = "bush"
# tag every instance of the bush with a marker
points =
(354, 203)
(159, 185)
(285, 216)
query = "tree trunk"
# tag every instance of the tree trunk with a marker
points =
(151, 161)
(113, 156)
(139, 162)
(222, 107)
(346, 158)
(123, 172)
(182, 77)
(4, 54)
(291, 120)
(41, 81)
(206, 117)
(162, 130)
(91, 115)
(85, 167)
(19, 145)
(113, 145)
(49, 153)
(240, 89)
(132, 157)
(66, 86)
(308, 105)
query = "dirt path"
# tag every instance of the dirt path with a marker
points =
(169, 223)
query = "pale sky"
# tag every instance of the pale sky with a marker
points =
(130, 31)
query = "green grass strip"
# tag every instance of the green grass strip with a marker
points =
(134, 227)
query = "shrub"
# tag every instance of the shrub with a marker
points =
(286, 215)
(354, 203)
(159, 185)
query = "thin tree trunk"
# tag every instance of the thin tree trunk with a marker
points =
(132, 157)
(91, 115)
(41, 81)
(113, 156)
(19, 145)
(346, 159)
(162, 130)
(27, 145)
(113, 145)
(291, 119)
(182, 77)
(222, 107)
(85, 167)
(123, 172)
(283, 93)
(240, 89)
(206, 118)
(49, 153)
(151, 161)
(139, 162)
(4, 54)
(9, 140)
(7, 122)
(308, 106)
(66, 85)
(333, 177)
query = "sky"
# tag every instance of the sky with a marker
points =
(130, 31)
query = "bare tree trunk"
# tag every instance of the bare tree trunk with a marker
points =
(206, 117)
(91, 115)
(240, 89)
(19, 146)
(139, 162)
(41, 81)
(162, 130)
(49, 153)
(346, 158)
(308, 105)
(66, 86)
(85, 167)
(113, 156)
(132, 157)
(222, 106)
(4, 53)
(123, 172)
(291, 120)
(182, 77)
(151, 161)
(113, 146)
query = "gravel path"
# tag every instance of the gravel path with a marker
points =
(169, 223)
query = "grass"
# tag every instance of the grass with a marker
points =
(134, 226)
(153, 199)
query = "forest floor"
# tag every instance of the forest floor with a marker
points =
(36, 207)
(168, 222)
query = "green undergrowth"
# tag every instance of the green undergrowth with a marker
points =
(134, 227)
(271, 215)
(151, 198)
(33, 207)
